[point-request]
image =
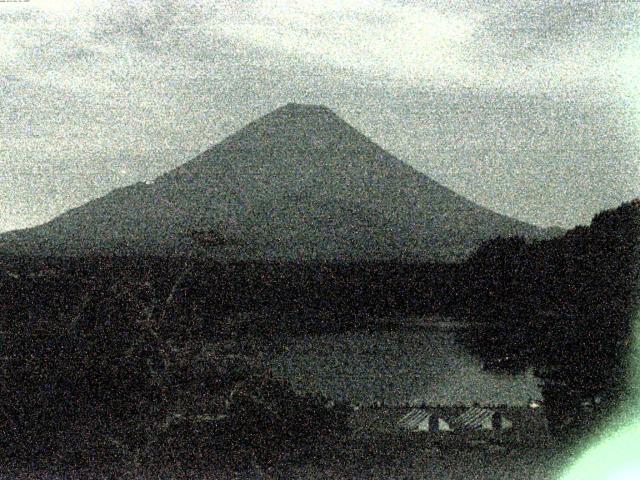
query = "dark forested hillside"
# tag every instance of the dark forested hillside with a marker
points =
(141, 357)
(134, 362)
(562, 306)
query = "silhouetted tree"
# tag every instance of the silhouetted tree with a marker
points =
(562, 306)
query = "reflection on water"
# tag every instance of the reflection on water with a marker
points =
(398, 366)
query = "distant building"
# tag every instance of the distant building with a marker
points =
(420, 420)
(477, 418)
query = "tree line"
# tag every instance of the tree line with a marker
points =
(563, 307)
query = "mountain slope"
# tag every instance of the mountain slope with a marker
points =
(298, 183)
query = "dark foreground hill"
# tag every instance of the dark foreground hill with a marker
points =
(298, 183)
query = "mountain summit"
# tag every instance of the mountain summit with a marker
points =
(298, 183)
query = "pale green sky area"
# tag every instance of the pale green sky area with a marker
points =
(614, 455)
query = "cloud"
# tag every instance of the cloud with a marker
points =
(506, 45)
(537, 26)
(557, 45)
(371, 37)
(88, 88)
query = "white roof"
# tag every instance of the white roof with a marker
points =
(477, 418)
(418, 419)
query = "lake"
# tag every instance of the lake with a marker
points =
(412, 363)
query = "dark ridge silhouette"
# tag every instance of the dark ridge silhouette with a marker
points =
(296, 184)
(564, 307)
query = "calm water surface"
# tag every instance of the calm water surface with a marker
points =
(414, 363)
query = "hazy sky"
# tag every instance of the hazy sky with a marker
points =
(529, 108)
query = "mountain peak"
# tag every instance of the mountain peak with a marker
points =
(305, 107)
(302, 110)
(296, 125)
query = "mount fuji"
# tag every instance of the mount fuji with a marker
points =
(297, 184)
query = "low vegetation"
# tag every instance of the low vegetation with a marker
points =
(127, 376)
